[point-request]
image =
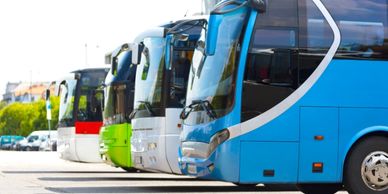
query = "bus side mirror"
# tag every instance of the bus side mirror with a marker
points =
(212, 34)
(136, 53)
(77, 76)
(258, 5)
(108, 58)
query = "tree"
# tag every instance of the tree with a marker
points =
(22, 119)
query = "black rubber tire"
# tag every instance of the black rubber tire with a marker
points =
(131, 170)
(353, 181)
(28, 149)
(319, 188)
(242, 185)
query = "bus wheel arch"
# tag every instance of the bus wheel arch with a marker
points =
(362, 136)
(359, 155)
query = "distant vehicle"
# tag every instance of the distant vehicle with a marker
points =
(6, 141)
(33, 141)
(16, 144)
(49, 143)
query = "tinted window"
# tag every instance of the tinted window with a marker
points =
(89, 102)
(271, 71)
(281, 13)
(315, 38)
(363, 25)
(274, 38)
(180, 69)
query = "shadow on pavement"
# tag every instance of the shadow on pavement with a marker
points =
(61, 172)
(169, 189)
(91, 179)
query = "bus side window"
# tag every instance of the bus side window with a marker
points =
(363, 35)
(272, 68)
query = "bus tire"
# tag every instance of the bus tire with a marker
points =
(319, 188)
(366, 168)
(129, 169)
(242, 185)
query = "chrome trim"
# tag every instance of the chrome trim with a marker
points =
(374, 171)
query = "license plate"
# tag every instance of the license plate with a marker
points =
(192, 169)
(138, 160)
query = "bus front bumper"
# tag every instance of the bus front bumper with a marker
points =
(197, 167)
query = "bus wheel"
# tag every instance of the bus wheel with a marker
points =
(242, 185)
(319, 188)
(128, 169)
(366, 169)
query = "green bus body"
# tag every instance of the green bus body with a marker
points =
(116, 146)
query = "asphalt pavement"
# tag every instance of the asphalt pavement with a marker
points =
(45, 173)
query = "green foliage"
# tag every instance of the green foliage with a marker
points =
(3, 104)
(22, 119)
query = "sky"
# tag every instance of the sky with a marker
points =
(42, 40)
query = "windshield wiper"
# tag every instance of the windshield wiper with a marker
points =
(204, 104)
(148, 107)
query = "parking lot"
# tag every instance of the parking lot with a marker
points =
(44, 172)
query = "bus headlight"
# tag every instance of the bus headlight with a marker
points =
(203, 150)
(218, 139)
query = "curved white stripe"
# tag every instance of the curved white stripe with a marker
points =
(282, 107)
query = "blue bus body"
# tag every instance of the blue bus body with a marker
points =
(307, 84)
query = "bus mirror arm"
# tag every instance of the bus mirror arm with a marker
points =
(136, 53)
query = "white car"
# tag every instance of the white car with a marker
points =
(33, 141)
(49, 144)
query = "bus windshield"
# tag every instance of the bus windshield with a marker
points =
(212, 78)
(149, 79)
(117, 97)
(115, 100)
(89, 101)
(81, 95)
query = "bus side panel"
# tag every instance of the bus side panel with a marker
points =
(357, 122)
(269, 162)
(286, 127)
(318, 144)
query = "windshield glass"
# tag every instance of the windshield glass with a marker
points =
(149, 79)
(119, 91)
(90, 99)
(212, 78)
(115, 104)
(66, 107)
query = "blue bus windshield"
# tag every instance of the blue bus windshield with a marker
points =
(212, 78)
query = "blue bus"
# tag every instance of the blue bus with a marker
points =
(290, 91)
